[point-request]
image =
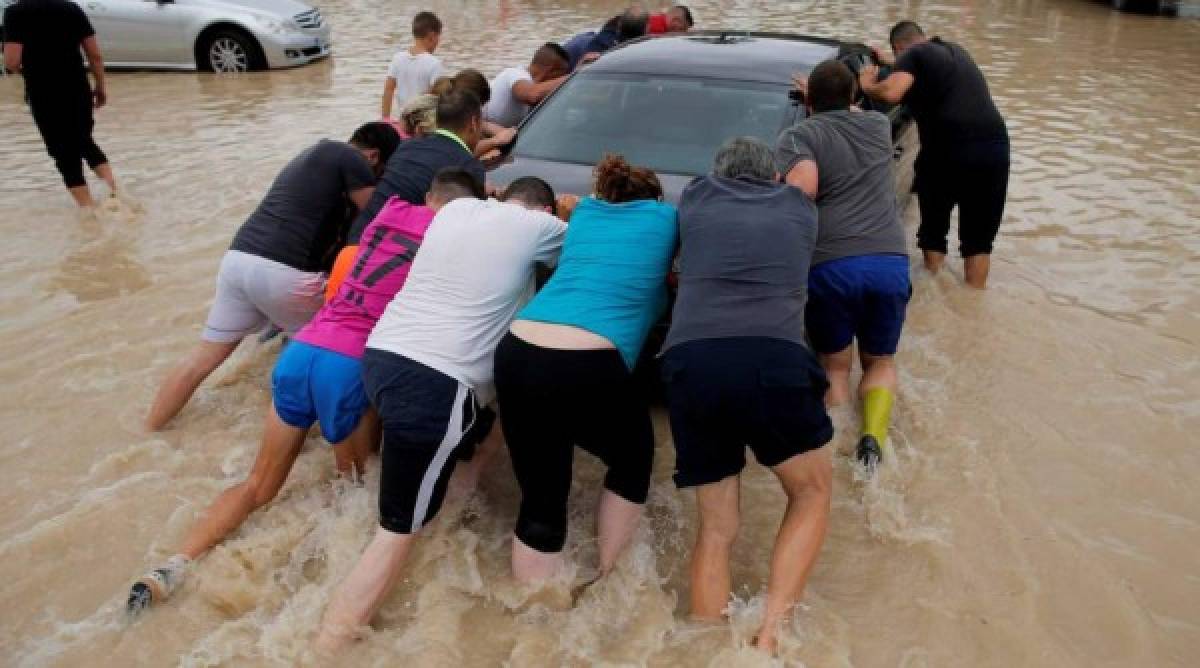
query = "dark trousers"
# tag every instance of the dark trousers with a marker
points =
(65, 122)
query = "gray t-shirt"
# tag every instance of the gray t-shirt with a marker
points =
(856, 193)
(303, 219)
(744, 258)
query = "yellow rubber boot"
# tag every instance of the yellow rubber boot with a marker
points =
(877, 415)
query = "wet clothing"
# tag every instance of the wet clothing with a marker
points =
(863, 297)
(430, 421)
(377, 273)
(56, 83)
(504, 108)
(311, 384)
(410, 172)
(976, 181)
(964, 158)
(301, 222)
(745, 248)
(553, 400)
(856, 193)
(474, 271)
(612, 276)
(724, 395)
(253, 291)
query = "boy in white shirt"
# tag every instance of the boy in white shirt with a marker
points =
(516, 90)
(413, 71)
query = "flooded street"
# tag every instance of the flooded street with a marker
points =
(1044, 508)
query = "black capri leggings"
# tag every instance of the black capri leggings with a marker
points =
(66, 126)
(552, 400)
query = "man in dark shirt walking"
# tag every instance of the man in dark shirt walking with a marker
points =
(964, 157)
(43, 42)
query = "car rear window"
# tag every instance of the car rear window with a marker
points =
(671, 125)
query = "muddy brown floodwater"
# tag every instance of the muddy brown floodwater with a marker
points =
(1044, 508)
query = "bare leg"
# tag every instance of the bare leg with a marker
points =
(711, 581)
(105, 172)
(807, 479)
(616, 520)
(529, 565)
(878, 371)
(837, 369)
(976, 268)
(280, 447)
(82, 196)
(183, 380)
(466, 474)
(350, 455)
(362, 592)
(934, 261)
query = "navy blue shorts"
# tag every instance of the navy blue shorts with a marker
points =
(311, 384)
(430, 421)
(861, 297)
(726, 394)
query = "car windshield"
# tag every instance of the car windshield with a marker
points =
(668, 124)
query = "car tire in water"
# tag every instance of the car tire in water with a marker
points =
(229, 51)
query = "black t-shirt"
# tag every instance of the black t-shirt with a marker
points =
(949, 97)
(410, 172)
(50, 32)
(303, 217)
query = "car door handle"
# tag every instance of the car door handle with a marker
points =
(95, 5)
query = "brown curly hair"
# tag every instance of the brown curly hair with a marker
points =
(617, 181)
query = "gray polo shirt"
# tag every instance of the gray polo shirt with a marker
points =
(744, 257)
(856, 194)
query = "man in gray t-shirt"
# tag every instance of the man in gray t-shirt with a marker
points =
(858, 285)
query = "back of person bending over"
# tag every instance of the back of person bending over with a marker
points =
(428, 370)
(964, 158)
(858, 287)
(516, 90)
(564, 373)
(318, 378)
(738, 374)
(273, 272)
(42, 42)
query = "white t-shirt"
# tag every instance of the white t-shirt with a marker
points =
(413, 74)
(473, 272)
(503, 109)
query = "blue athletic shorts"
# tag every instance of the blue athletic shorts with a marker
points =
(861, 297)
(312, 384)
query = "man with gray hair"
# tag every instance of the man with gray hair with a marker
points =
(738, 373)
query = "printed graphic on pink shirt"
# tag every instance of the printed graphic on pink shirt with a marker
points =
(385, 254)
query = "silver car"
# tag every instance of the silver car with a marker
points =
(211, 35)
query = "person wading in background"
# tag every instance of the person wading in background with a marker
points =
(964, 157)
(43, 41)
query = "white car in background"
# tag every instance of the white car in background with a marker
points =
(209, 35)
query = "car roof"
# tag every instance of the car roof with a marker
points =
(741, 56)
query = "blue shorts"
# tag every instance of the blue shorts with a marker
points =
(312, 384)
(861, 297)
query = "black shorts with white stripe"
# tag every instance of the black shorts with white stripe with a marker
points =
(430, 421)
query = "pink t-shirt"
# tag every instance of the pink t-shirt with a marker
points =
(385, 253)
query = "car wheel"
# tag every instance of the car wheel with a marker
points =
(230, 51)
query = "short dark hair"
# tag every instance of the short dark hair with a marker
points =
(451, 183)
(456, 109)
(551, 55)
(687, 14)
(378, 135)
(632, 24)
(425, 23)
(904, 32)
(530, 190)
(831, 86)
(474, 81)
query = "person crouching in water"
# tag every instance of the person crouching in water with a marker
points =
(738, 373)
(318, 378)
(274, 271)
(564, 373)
